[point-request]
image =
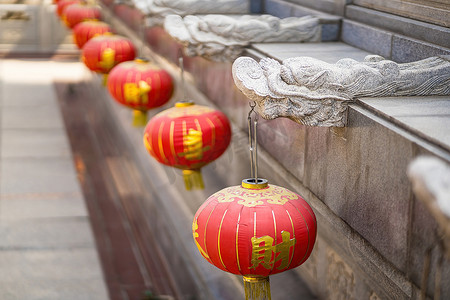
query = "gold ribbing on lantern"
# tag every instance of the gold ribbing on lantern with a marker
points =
(257, 288)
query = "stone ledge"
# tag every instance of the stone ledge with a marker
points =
(425, 117)
(388, 44)
(426, 32)
(282, 9)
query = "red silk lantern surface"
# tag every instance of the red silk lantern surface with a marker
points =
(100, 54)
(255, 231)
(62, 4)
(188, 136)
(141, 86)
(84, 31)
(77, 13)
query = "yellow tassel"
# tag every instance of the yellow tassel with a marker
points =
(139, 118)
(257, 288)
(193, 179)
(105, 79)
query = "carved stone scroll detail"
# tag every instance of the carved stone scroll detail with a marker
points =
(224, 37)
(316, 93)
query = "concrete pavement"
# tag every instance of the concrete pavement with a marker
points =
(47, 248)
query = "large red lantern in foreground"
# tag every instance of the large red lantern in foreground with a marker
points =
(141, 86)
(188, 136)
(100, 54)
(62, 4)
(84, 31)
(77, 13)
(255, 230)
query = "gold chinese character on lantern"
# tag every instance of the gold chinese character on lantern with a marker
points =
(263, 248)
(136, 93)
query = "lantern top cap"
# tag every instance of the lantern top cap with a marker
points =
(141, 60)
(252, 184)
(184, 104)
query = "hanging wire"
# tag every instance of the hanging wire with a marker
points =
(183, 89)
(142, 36)
(252, 141)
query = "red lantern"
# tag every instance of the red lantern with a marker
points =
(141, 86)
(78, 13)
(100, 54)
(255, 230)
(62, 4)
(188, 136)
(84, 31)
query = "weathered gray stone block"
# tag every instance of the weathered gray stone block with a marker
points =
(368, 38)
(405, 49)
(428, 11)
(415, 29)
(428, 117)
(330, 32)
(278, 8)
(331, 7)
(330, 52)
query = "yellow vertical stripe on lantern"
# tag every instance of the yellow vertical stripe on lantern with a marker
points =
(275, 239)
(150, 141)
(307, 228)
(206, 226)
(218, 239)
(172, 146)
(146, 143)
(197, 124)
(213, 132)
(293, 233)
(184, 134)
(160, 144)
(254, 224)
(237, 242)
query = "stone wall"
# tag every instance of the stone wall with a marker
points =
(373, 233)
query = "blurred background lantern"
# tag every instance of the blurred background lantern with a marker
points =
(255, 230)
(77, 13)
(84, 31)
(100, 54)
(188, 137)
(140, 85)
(62, 4)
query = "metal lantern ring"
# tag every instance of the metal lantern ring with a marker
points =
(188, 137)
